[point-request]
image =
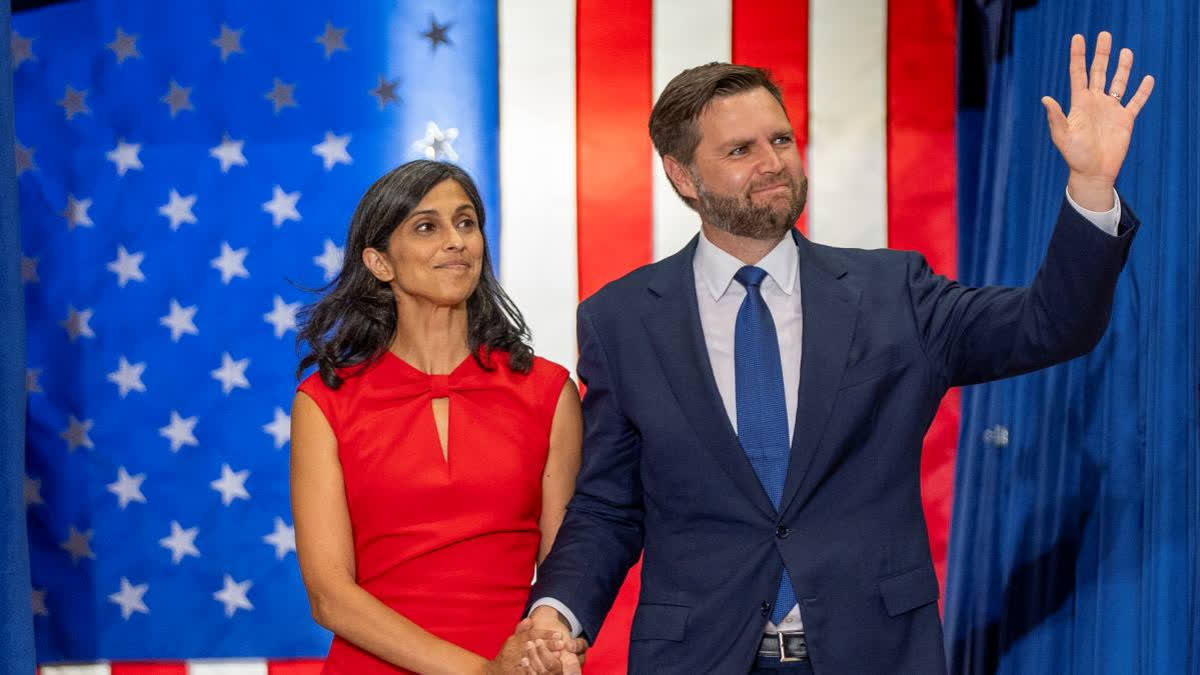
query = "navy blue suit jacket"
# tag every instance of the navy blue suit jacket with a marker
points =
(663, 473)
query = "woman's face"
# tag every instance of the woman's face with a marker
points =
(436, 253)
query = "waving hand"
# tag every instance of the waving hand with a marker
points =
(1094, 136)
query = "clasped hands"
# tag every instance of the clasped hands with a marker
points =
(541, 644)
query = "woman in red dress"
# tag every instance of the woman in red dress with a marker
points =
(433, 454)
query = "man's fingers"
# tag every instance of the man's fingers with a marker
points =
(1077, 69)
(1141, 96)
(1054, 116)
(1099, 72)
(1121, 77)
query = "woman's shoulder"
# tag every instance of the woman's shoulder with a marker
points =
(349, 379)
(549, 369)
(314, 385)
(542, 373)
(540, 387)
(539, 369)
(551, 377)
(340, 400)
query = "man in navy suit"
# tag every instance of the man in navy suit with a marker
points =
(756, 403)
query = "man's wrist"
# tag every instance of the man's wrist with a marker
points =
(546, 612)
(564, 614)
(1092, 193)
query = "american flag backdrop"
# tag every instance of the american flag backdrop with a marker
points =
(186, 170)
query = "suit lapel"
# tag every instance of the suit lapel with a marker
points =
(830, 306)
(673, 323)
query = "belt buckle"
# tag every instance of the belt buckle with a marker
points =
(784, 657)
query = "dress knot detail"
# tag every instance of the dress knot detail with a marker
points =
(439, 386)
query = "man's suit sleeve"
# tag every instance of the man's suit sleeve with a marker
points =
(973, 335)
(601, 535)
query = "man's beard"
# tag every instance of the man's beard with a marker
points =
(740, 216)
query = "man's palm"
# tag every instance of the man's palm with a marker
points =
(1094, 137)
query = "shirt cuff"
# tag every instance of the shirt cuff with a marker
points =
(576, 629)
(1105, 220)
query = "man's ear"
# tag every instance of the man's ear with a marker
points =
(378, 265)
(680, 177)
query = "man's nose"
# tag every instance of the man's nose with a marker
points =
(770, 162)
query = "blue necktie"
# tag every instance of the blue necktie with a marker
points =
(761, 404)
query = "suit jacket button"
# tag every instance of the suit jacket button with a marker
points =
(782, 532)
(766, 608)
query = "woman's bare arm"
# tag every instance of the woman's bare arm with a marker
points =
(325, 547)
(562, 465)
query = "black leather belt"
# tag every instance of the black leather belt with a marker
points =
(786, 646)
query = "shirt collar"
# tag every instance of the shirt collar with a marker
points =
(715, 268)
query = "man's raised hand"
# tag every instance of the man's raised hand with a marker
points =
(1094, 136)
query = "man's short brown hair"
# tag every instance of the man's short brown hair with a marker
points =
(673, 121)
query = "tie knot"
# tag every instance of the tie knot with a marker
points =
(750, 276)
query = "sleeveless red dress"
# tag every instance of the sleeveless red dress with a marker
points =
(450, 544)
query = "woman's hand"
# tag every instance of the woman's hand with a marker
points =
(568, 660)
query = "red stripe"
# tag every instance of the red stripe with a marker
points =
(921, 201)
(613, 100)
(773, 34)
(614, 86)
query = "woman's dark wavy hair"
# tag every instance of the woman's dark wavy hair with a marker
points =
(354, 322)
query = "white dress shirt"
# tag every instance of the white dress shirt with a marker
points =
(720, 297)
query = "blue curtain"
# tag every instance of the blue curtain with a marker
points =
(1076, 528)
(16, 617)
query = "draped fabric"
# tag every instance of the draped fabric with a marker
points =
(16, 624)
(1077, 511)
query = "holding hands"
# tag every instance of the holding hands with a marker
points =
(540, 645)
(1094, 136)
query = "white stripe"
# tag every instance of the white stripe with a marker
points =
(76, 669)
(223, 667)
(847, 147)
(537, 170)
(687, 33)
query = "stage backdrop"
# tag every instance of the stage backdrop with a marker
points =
(16, 627)
(1077, 512)
(186, 169)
